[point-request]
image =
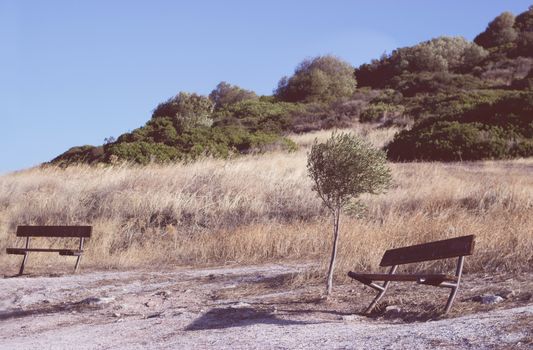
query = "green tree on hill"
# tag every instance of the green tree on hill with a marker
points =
(186, 110)
(226, 94)
(499, 32)
(321, 79)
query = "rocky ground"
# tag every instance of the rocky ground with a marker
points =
(255, 307)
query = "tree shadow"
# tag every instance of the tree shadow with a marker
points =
(219, 318)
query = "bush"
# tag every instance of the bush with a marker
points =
(499, 32)
(321, 79)
(455, 141)
(79, 154)
(226, 94)
(142, 152)
(379, 112)
(186, 111)
(443, 54)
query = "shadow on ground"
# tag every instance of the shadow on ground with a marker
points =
(219, 318)
(48, 309)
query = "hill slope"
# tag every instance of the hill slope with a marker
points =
(456, 99)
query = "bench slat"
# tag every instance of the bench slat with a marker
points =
(369, 277)
(54, 231)
(22, 251)
(448, 248)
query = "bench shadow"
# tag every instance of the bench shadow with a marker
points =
(46, 310)
(220, 318)
(19, 313)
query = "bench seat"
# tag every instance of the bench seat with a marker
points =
(457, 247)
(67, 232)
(22, 251)
(368, 278)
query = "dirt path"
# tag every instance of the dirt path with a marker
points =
(254, 307)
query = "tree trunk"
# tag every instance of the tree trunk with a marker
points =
(336, 217)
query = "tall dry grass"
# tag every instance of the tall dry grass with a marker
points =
(260, 208)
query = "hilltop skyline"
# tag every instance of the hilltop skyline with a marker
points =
(72, 68)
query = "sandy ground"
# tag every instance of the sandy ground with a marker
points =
(254, 307)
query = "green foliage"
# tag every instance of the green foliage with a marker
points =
(257, 115)
(502, 128)
(466, 101)
(142, 152)
(509, 36)
(526, 83)
(524, 21)
(79, 154)
(321, 79)
(159, 130)
(443, 54)
(524, 26)
(186, 111)
(448, 141)
(451, 105)
(345, 167)
(411, 84)
(378, 112)
(499, 32)
(226, 94)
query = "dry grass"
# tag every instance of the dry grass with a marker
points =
(260, 208)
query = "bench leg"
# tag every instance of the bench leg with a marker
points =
(79, 256)
(451, 298)
(382, 291)
(77, 263)
(453, 292)
(21, 271)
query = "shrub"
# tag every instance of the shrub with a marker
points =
(79, 154)
(186, 111)
(443, 54)
(321, 79)
(499, 32)
(226, 94)
(142, 152)
(453, 141)
(257, 115)
(380, 111)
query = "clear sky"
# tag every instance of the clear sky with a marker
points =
(75, 72)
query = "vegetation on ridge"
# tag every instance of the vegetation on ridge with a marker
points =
(455, 100)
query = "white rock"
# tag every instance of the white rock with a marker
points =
(240, 305)
(97, 300)
(349, 317)
(491, 299)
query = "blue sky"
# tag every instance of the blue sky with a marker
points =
(75, 72)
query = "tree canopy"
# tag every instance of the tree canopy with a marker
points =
(499, 31)
(186, 110)
(320, 79)
(226, 94)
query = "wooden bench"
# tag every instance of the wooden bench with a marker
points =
(80, 232)
(448, 248)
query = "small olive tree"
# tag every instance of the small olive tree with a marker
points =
(343, 168)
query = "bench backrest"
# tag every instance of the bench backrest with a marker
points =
(448, 248)
(54, 231)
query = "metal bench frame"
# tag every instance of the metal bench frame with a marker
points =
(455, 247)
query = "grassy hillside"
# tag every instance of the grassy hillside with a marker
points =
(261, 208)
(454, 99)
